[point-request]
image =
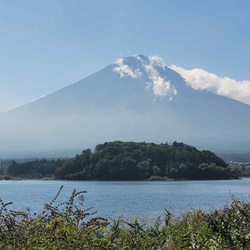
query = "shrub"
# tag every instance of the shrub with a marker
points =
(69, 225)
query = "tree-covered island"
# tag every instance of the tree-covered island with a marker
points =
(131, 161)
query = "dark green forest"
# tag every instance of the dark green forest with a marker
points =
(140, 161)
(34, 169)
(130, 161)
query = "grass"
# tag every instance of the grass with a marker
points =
(69, 225)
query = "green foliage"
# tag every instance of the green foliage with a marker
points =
(69, 225)
(231, 224)
(156, 171)
(139, 161)
(5, 177)
(129, 161)
(61, 226)
(34, 169)
(157, 178)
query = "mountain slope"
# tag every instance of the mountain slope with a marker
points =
(134, 99)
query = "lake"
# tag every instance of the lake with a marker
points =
(131, 199)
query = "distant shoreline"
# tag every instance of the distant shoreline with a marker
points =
(156, 180)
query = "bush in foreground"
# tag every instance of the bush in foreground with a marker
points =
(69, 225)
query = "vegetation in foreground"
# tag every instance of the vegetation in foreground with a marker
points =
(71, 226)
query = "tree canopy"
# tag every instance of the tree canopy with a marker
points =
(34, 169)
(139, 161)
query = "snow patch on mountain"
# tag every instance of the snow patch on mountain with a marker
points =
(150, 65)
(125, 70)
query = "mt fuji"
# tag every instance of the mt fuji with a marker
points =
(136, 98)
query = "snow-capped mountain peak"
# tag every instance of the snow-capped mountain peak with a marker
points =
(153, 67)
(136, 98)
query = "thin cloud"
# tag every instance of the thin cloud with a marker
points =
(161, 86)
(157, 61)
(200, 79)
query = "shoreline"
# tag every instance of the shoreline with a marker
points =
(147, 180)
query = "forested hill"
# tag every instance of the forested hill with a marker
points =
(139, 161)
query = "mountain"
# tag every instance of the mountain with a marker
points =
(134, 99)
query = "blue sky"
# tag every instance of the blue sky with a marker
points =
(46, 45)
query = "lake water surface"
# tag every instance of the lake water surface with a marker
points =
(145, 199)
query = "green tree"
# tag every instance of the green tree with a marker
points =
(156, 171)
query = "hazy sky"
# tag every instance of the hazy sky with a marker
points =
(46, 45)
